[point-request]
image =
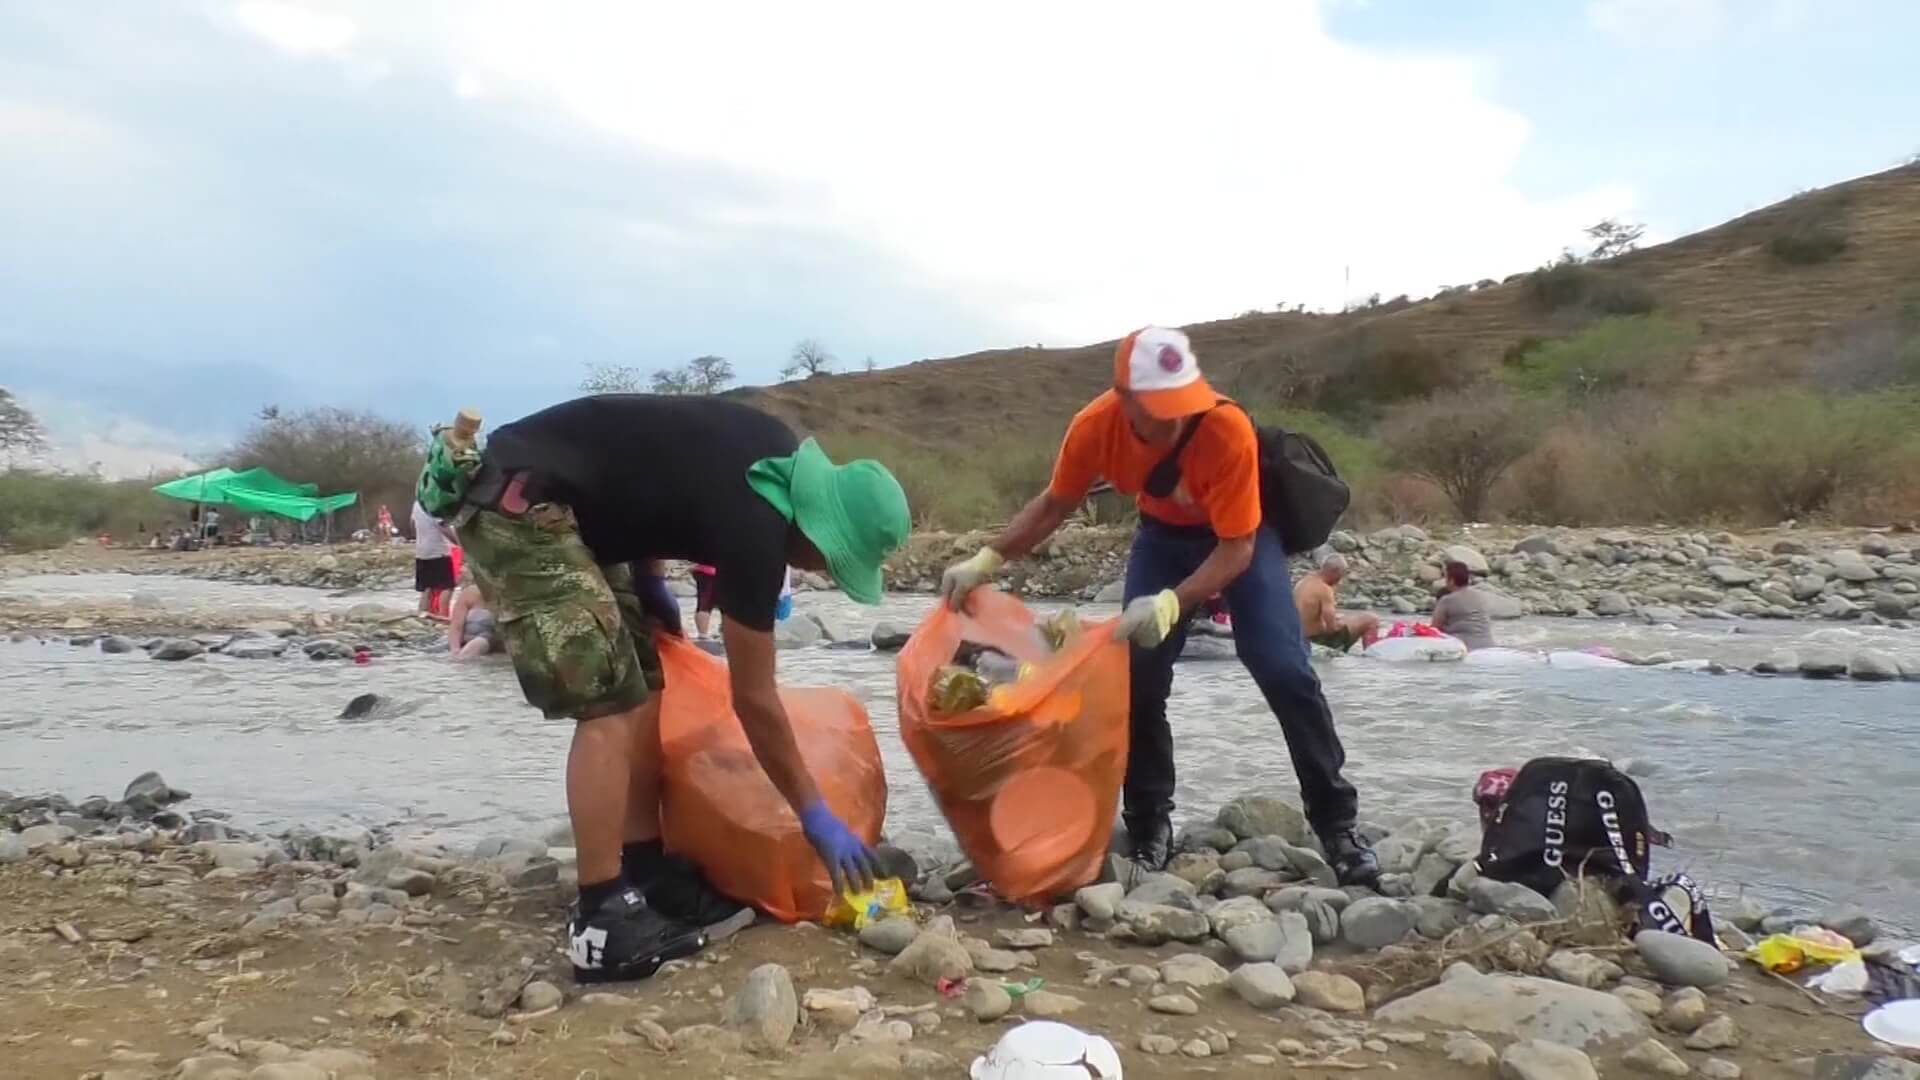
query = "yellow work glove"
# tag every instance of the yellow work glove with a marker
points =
(962, 578)
(1149, 619)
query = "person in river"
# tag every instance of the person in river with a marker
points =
(432, 560)
(564, 518)
(1320, 617)
(472, 630)
(1462, 610)
(1201, 536)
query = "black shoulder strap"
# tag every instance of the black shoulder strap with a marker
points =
(1166, 473)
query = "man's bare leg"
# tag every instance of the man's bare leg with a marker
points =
(1361, 623)
(701, 619)
(599, 770)
(643, 774)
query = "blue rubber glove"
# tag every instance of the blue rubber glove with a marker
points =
(659, 603)
(848, 859)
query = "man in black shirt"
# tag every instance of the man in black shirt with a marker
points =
(591, 494)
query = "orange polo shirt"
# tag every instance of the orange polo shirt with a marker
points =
(1219, 469)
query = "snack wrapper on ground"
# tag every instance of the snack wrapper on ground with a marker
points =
(1785, 953)
(853, 909)
(1030, 779)
(717, 806)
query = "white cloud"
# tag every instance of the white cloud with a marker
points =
(86, 439)
(296, 28)
(1659, 22)
(1087, 169)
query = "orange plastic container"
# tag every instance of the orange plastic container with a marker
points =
(719, 809)
(1028, 782)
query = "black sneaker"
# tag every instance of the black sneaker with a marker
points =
(679, 891)
(626, 939)
(1352, 860)
(1151, 841)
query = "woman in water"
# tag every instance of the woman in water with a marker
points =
(1462, 610)
(470, 625)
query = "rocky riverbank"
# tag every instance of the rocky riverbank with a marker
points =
(142, 939)
(1650, 574)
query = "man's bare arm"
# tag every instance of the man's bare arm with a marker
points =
(756, 700)
(1040, 518)
(1228, 560)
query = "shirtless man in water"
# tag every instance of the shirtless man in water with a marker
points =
(1325, 624)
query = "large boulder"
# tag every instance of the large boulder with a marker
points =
(1515, 901)
(1519, 1007)
(797, 632)
(177, 649)
(1869, 665)
(887, 637)
(1539, 1059)
(1679, 960)
(1851, 566)
(1462, 553)
(1250, 816)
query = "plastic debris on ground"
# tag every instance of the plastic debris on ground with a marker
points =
(1045, 1050)
(853, 909)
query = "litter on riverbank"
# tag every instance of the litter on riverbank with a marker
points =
(147, 945)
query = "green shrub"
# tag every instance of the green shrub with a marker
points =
(1613, 354)
(1563, 283)
(1463, 442)
(1356, 374)
(1812, 229)
(1568, 283)
(1617, 295)
(1807, 243)
(955, 491)
(46, 509)
(1516, 354)
(1767, 455)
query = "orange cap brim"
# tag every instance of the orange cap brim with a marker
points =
(1195, 397)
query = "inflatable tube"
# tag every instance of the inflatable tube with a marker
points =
(1504, 657)
(1414, 650)
(1567, 658)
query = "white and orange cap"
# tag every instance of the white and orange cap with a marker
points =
(1156, 366)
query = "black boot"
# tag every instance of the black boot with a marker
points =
(675, 888)
(1352, 861)
(627, 939)
(1151, 840)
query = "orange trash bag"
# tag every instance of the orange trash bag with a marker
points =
(1029, 781)
(717, 806)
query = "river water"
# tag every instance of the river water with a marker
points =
(1799, 792)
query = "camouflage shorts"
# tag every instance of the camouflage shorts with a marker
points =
(574, 628)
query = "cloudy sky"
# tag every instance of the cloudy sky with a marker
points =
(409, 205)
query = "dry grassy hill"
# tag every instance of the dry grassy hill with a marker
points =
(1759, 317)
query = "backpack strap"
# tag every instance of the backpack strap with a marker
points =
(1165, 476)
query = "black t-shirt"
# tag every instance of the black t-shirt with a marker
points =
(663, 477)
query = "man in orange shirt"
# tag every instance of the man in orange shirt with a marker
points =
(1201, 538)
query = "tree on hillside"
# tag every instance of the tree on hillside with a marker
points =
(340, 450)
(611, 379)
(810, 358)
(708, 374)
(1612, 237)
(20, 430)
(700, 375)
(1463, 441)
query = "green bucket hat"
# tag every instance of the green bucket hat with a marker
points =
(855, 513)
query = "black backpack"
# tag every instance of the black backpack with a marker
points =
(1301, 495)
(1565, 818)
(1581, 817)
